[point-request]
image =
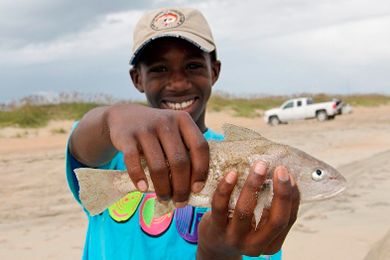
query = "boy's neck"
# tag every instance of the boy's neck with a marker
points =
(201, 123)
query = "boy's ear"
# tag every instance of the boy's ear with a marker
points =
(216, 69)
(136, 78)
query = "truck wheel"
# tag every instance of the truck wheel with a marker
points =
(322, 116)
(274, 120)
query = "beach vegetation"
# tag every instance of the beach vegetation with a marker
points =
(58, 131)
(35, 115)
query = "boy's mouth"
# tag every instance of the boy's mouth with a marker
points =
(179, 105)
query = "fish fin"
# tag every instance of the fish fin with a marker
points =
(263, 202)
(239, 133)
(258, 212)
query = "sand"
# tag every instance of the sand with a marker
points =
(39, 218)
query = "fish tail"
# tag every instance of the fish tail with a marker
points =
(99, 189)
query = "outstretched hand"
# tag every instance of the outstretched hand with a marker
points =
(224, 237)
(160, 135)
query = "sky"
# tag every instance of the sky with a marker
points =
(271, 47)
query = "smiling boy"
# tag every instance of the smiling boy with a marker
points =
(175, 65)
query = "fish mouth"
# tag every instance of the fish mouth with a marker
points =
(186, 105)
(330, 195)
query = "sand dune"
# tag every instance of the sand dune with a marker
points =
(39, 219)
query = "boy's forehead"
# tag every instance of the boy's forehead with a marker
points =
(160, 47)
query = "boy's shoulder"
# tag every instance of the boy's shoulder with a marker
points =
(211, 135)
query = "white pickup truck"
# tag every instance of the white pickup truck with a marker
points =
(301, 108)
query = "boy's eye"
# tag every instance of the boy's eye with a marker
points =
(194, 66)
(158, 69)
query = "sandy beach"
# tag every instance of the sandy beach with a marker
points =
(39, 218)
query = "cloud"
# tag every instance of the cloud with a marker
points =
(347, 43)
(274, 46)
(25, 22)
(294, 46)
(113, 32)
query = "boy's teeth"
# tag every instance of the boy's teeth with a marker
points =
(182, 105)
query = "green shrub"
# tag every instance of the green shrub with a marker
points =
(39, 115)
(58, 131)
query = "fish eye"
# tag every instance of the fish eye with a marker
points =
(317, 175)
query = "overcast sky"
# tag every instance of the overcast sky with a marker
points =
(267, 46)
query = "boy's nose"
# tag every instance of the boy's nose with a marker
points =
(178, 82)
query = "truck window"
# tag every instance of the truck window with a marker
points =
(289, 105)
(299, 103)
(309, 101)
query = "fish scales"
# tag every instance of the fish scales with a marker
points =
(316, 180)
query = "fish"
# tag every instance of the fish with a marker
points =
(242, 147)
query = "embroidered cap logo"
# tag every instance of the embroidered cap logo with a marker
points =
(167, 19)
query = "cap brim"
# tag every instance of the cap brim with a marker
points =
(192, 38)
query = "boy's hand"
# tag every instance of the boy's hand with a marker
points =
(160, 135)
(221, 237)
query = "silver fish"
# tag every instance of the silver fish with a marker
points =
(315, 179)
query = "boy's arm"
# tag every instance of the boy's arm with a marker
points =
(222, 237)
(159, 135)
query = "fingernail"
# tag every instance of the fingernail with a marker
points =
(163, 199)
(181, 204)
(260, 168)
(230, 177)
(197, 186)
(142, 186)
(283, 174)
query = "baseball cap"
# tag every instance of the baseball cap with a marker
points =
(185, 23)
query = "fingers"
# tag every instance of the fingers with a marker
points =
(238, 234)
(220, 202)
(278, 242)
(280, 211)
(131, 157)
(243, 212)
(187, 152)
(179, 164)
(199, 152)
(171, 137)
(157, 165)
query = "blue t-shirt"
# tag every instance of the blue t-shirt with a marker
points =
(126, 230)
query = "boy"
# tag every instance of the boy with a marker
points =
(175, 65)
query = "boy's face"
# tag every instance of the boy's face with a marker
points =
(175, 74)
